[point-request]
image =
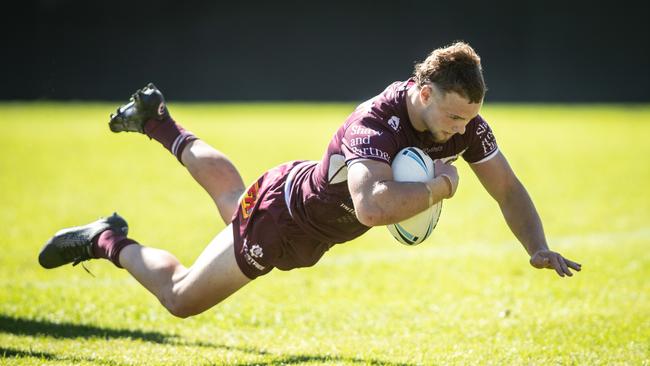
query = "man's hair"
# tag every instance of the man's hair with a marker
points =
(455, 68)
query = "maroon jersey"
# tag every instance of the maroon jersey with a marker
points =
(317, 193)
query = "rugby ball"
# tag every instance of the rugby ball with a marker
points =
(413, 165)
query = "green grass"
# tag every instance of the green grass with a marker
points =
(466, 296)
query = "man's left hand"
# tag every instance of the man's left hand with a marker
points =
(552, 260)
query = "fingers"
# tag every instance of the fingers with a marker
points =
(555, 261)
(563, 266)
(555, 264)
(573, 265)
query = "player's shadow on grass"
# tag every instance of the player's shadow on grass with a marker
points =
(7, 353)
(32, 327)
(299, 359)
(16, 353)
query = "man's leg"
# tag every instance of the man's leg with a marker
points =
(187, 291)
(216, 174)
(215, 274)
(147, 113)
(183, 291)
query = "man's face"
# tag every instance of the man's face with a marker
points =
(446, 114)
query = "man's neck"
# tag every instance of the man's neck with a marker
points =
(413, 106)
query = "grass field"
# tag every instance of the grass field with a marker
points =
(465, 296)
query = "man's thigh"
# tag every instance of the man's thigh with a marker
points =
(214, 276)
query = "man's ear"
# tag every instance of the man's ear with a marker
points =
(426, 93)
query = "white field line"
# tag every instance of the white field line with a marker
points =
(429, 249)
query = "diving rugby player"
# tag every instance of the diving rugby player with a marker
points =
(295, 212)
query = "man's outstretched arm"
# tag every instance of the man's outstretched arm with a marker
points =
(519, 211)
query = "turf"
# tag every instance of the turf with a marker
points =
(465, 296)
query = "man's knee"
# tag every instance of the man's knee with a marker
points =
(228, 203)
(176, 299)
(180, 306)
(181, 311)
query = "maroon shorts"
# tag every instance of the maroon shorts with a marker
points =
(265, 235)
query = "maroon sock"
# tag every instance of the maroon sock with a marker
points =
(109, 244)
(170, 134)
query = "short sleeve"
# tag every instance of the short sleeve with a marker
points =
(368, 139)
(481, 145)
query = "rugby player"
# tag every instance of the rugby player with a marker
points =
(295, 212)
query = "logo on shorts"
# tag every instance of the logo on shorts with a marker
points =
(251, 253)
(347, 208)
(394, 122)
(249, 200)
(256, 251)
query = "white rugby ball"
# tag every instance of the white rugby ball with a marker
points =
(413, 165)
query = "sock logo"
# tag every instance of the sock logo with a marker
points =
(161, 108)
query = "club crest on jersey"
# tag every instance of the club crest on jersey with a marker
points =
(249, 200)
(394, 122)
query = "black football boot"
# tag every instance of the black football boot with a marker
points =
(146, 104)
(73, 245)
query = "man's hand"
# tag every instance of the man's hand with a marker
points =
(448, 172)
(552, 260)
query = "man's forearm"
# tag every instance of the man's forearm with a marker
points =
(522, 218)
(397, 201)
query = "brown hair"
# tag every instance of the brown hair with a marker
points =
(455, 68)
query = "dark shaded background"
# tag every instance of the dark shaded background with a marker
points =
(334, 50)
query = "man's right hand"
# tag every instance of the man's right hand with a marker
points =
(449, 173)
